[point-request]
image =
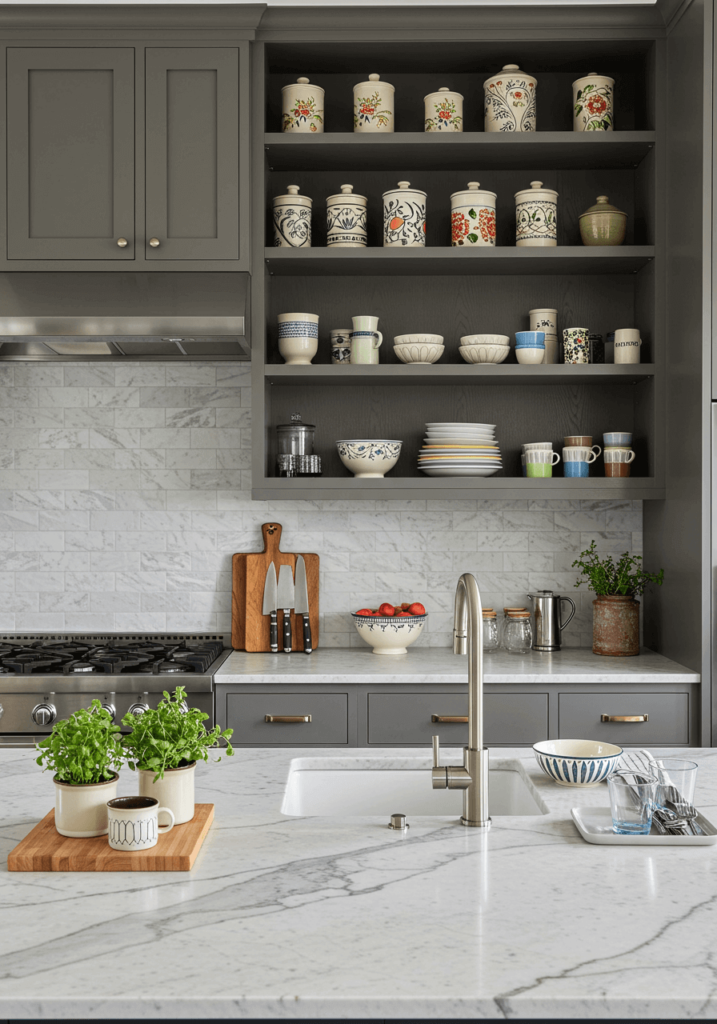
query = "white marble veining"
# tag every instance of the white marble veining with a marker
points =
(299, 918)
(441, 665)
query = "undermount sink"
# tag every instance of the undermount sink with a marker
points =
(361, 787)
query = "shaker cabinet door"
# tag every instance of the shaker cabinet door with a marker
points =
(70, 158)
(192, 153)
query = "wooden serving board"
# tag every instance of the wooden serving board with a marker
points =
(250, 632)
(44, 849)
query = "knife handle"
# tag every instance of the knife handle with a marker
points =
(273, 634)
(287, 630)
(307, 635)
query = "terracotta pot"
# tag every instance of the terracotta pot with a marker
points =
(175, 791)
(81, 810)
(616, 626)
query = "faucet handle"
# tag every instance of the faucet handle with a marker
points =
(436, 751)
(439, 776)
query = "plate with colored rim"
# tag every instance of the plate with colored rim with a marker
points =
(595, 826)
(461, 442)
(460, 470)
(469, 426)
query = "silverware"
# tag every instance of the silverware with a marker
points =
(677, 809)
(269, 607)
(285, 601)
(301, 602)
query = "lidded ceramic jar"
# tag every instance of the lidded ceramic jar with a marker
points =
(603, 224)
(302, 107)
(373, 105)
(510, 101)
(404, 216)
(593, 103)
(473, 216)
(536, 216)
(292, 219)
(444, 111)
(346, 219)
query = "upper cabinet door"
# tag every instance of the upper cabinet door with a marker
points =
(192, 174)
(70, 159)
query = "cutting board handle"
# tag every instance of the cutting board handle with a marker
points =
(271, 532)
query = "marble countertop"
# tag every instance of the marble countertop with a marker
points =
(299, 918)
(441, 665)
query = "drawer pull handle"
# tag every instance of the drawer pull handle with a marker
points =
(291, 719)
(450, 719)
(624, 718)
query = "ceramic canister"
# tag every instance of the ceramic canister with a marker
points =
(627, 345)
(373, 105)
(346, 219)
(292, 219)
(302, 106)
(575, 345)
(444, 111)
(593, 103)
(510, 101)
(404, 216)
(536, 215)
(545, 320)
(603, 224)
(341, 346)
(473, 216)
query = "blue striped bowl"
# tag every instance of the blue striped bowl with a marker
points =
(577, 762)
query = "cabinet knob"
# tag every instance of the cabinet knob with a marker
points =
(154, 242)
(122, 242)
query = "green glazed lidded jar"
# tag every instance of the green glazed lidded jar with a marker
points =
(603, 224)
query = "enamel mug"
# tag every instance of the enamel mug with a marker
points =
(373, 105)
(292, 219)
(536, 216)
(302, 106)
(346, 219)
(444, 111)
(473, 216)
(627, 345)
(134, 822)
(404, 216)
(592, 103)
(509, 102)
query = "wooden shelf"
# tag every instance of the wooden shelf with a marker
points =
(457, 373)
(334, 151)
(565, 259)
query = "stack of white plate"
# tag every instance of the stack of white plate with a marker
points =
(459, 449)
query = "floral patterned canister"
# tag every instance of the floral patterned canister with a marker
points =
(292, 219)
(536, 216)
(444, 111)
(510, 101)
(473, 216)
(404, 216)
(346, 219)
(373, 105)
(576, 345)
(593, 103)
(302, 106)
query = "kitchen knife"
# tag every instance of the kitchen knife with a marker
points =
(269, 607)
(285, 601)
(301, 602)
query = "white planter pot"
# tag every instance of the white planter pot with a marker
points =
(346, 219)
(404, 216)
(302, 106)
(536, 216)
(81, 811)
(473, 216)
(443, 111)
(292, 219)
(373, 105)
(175, 791)
(509, 101)
(593, 103)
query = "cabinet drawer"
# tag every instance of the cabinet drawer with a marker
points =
(510, 718)
(668, 717)
(247, 716)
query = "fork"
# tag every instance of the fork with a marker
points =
(684, 813)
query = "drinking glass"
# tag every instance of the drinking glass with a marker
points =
(632, 800)
(674, 773)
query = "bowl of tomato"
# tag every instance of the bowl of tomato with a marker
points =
(391, 629)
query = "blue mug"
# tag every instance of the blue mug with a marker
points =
(576, 469)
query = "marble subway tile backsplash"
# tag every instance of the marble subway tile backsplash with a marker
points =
(125, 488)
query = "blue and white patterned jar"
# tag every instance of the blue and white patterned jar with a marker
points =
(510, 101)
(404, 216)
(536, 216)
(298, 337)
(292, 219)
(346, 219)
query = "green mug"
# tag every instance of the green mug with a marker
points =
(539, 469)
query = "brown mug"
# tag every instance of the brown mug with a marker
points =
(617, 469)
(578, 441)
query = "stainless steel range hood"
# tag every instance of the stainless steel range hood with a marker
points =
(104, 316)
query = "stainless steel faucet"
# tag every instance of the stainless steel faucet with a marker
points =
(472, 778)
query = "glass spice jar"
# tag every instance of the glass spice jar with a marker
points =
(501, 628)
(518, 633)
(490, 630)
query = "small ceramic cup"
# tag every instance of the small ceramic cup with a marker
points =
(576, 345)
(529, 339)
(578, 441)
(572, 469)
(627, 345)
(341, 346)
(530, 356)
(580, 454)
(618, 467)
(539, 464)
(298, 337)
(623, 455)
(617, 439)
(134, 822)
(538, 446)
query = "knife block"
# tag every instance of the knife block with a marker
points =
(250, 629)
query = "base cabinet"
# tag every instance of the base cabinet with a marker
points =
(628, 719)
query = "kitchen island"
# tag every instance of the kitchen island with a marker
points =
(290, 918)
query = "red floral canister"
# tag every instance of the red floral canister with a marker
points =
(444, 111)
(473, 216)
(593, 103)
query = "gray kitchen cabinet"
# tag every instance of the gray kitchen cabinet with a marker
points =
(70, 157)
(287, 719)
(628, 719)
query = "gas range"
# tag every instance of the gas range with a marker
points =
(44, 678)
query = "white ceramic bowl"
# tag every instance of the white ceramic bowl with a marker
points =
(484, 353)
(418, 339)
(485, 339)
(298, 351)
(369, 458)
(577, 762)
(419, 353)
(389, 635)
(530, 356)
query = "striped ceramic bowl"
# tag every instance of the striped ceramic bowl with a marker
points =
(577, 762)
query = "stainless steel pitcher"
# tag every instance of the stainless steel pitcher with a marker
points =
(548, 619)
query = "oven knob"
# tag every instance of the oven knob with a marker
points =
(109, 707)
(44, 714)
(139, 707)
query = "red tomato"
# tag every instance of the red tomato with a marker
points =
(364, 611)
(402, 615)
(387, 609)
(417, 609)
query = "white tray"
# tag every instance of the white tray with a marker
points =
(595, 826)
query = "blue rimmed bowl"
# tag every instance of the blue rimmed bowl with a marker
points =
(530, 339)
(577, 762)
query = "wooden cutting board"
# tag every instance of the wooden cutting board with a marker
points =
(250, 632)
(44, 849)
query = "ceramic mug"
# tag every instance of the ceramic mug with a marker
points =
(620, 469)
(298, 337)
(365, 346)
(627, 345)
(538, 446)
(541, 456)
(573, 469)
(580, 454)
(617, 439)
(578, 441)
(575, 345)
(134, 822)
(341, 345)
(624, 455)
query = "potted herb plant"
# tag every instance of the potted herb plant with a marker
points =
(165, 745)
(85, 754)
(616, 613)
